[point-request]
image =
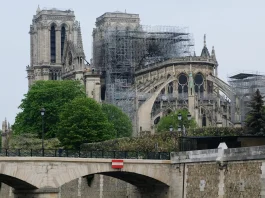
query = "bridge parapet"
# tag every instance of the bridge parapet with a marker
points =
(211, 155)
(84, 154)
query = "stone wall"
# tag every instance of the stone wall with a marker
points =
(223, 173)
(202, 180)
(238, 179)
(242, 180)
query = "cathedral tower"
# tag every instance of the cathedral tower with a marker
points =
(56, 51)
(51, 32)
(6, 133)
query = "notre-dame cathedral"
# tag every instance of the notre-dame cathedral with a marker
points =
(147, 72)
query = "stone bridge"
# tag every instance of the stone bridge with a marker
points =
(212, 173)
(32, 176)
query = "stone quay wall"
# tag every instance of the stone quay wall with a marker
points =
(222, 173)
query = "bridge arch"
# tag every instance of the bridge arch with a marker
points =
(138, 180)
(16, 177)
(16, 183)
(130, 173)
(135, 179)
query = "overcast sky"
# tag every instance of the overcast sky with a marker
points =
(234, 27)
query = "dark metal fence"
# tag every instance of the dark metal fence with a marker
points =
(84, 154)
(187, 144)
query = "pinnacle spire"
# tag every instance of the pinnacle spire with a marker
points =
(205, 53)
(38, 9)
(4, 125)
(213, 53)
(79, 43)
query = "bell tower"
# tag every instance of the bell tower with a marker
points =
(49, 32)
(56, 51)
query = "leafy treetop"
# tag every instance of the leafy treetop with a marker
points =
(172, 120)
(82, 120)
(121, 122)
(51, 95)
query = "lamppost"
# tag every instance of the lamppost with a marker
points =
(182, 127)
(42, 112)
(170, 128)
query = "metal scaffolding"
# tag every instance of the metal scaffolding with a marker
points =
(120, 50)
(245, 85)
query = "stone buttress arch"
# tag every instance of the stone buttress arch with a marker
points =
(144, 111)
(226, 89)
(222, 86)
(147, 89)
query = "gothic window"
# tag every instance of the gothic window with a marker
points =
(103, 92)
(183, 84)
(198, 81)
(170, 88)
(63, 32)
(204, 120)
(53, 44)
(54, 75)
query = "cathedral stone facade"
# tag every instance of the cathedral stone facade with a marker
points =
(158, 86)
(190, 83)
(56, 51)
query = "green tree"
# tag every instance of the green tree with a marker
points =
(255, 120)
(82, 120)
(121, 122)
(172, 120)
(51, 95)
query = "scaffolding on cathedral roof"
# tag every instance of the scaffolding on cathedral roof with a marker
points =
(121, 46)
(245, 83)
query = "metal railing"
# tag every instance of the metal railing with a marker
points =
(84, 154)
